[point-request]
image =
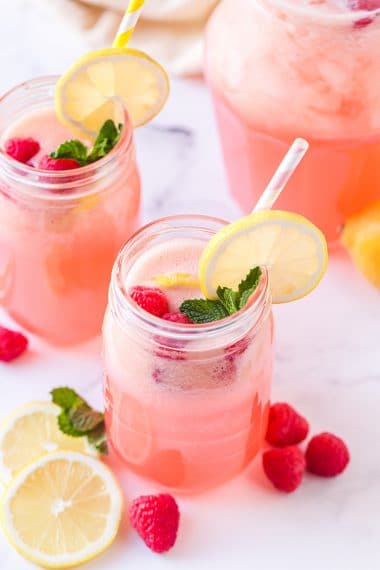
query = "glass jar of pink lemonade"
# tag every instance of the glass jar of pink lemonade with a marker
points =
(279, 69)
(186, 405)
(60, 231)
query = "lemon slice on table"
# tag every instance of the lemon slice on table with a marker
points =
(287, 244)
(31, 431)
(62, 510)
(91, 91)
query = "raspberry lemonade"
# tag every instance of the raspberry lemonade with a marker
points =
(59, 230)
(280, 69)
(186, 404)
(67, 204)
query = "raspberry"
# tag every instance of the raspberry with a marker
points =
(21, 149)
(285, 426)
(368, 5)
(224, 371)
(327, 455)
(49, 163)
(177, 318)
(156, 519)
(151, 299)
(239, 347)
(285, 467)
(12, 344)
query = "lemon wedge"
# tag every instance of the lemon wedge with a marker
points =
(170, 280)
(102, 82)
(292, 249)
(31, 431)
(361, 237)
(62, 510)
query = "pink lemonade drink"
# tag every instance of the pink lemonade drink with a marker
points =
(60, 231)
(281, 69)
(186, 404)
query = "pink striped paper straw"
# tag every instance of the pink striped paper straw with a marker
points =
(281, 177)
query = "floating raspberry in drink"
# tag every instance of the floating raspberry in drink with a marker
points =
(364, 5)
(21, 149)
(177, 318)
(151, 299)
(49, 163)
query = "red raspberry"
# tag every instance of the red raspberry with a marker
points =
(49, 163)
(12, 344)
(21, 149)
(368, 5)
(327, 455)
(177, 318)
(285, 426)
(285, 467)
(151, 299)
(156, 519)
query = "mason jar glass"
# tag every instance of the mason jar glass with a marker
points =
(281, 69)
(185, 405)
(60, 231)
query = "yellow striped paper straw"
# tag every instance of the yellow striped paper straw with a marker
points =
(128, 23)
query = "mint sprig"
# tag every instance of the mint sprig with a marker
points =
(202, 311)
(106, 140)
(78, 419)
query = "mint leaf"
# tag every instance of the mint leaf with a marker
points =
(66, 426)
(78, 419)
(251, 281)
(249, 285)
(72, 149)
(207, 310)
(66, 398)
(107, 138)
(230, 299)
(84, 419)
(105, 141)
(97, 438)
(203, 310)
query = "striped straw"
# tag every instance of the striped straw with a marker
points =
(281, 177)
(128, 23)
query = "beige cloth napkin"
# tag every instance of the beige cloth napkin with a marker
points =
(171, 31)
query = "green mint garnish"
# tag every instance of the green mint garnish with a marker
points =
(202, 311)
(78, 419)
(107, 138)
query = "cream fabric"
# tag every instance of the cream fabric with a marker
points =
(169, 30)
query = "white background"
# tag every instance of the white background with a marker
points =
(327, 360)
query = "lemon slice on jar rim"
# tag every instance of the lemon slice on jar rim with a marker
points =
(292, 249)
(95, 86)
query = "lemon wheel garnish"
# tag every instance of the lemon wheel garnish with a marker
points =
(31, 431)
(292, 249)
(62, 510)
(171, 280)
(101, 82)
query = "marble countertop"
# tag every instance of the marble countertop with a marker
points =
(327, 361)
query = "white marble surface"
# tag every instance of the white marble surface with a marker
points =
(327, 361)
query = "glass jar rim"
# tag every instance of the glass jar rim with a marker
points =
(29, 177)
(311, 10)
(251, 315)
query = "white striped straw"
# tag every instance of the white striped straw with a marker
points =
(281, 177)
(128, 23)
